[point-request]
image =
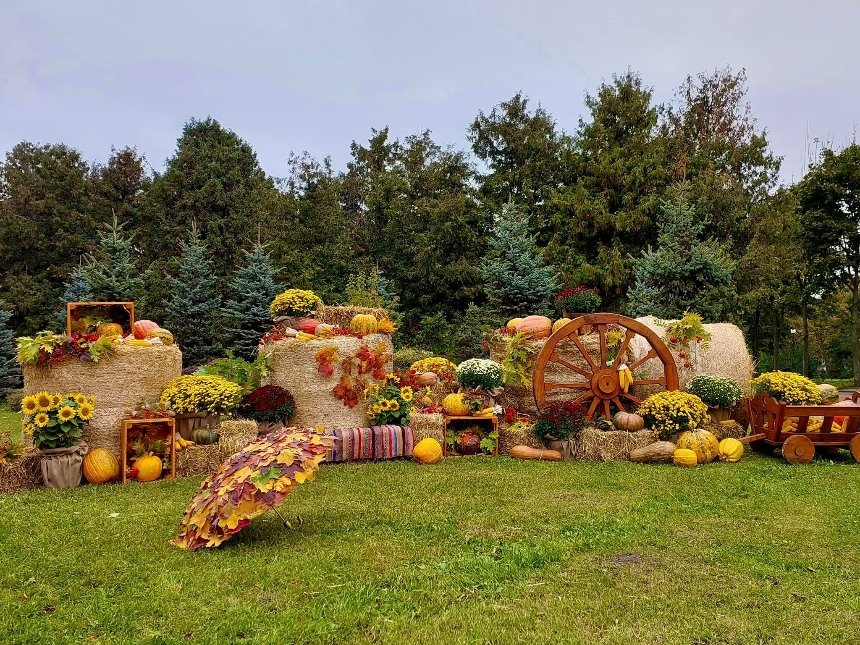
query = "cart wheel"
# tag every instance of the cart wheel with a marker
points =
(854, 447)
(798, 449)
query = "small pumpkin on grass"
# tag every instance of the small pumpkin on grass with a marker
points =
(148, 468)
(427, 451)
(364, 324)
(702, 443)
(731, 450)
(684, 457)
(100, 466)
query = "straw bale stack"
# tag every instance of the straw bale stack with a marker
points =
(427, 425)
(611, 445)
(22, 472)
(201, 460)
(341, 316)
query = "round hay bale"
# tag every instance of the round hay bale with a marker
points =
(202, 460)
(293, 365)
(427, 425)
(119, 383)
(21, 473)
(725, 355)
(611, 445)
(341, 316)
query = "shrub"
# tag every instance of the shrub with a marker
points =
(479, 373)
(669, 413)
(579, 300)
(268, 404)
(14, 398)
(716, 391)
(196, 393)
(560, 420)
(406, 356)
(789, 387)
(237, 370)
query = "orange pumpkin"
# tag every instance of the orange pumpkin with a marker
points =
(148, 467)
(100, 466)
(143, 327)
(535, 327)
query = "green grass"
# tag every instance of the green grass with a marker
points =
(10, 421)
(477, 550)
(840, 383)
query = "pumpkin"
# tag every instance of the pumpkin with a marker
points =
(455, 405)
(324, 330)
(426, 379)
(731, 450)
(364, 324)
(427, 451)
(100, 466)
(524, 452)
(385, 326)
(558, 324)
(109, 329)
(307, 325)
(469, 442)
(165, 336)
(829, 394)
(142, 328)
(148, 468)
(205, 436)
(628, 421)
(659, 451)
(513, 323)
(535, 327)
(684, 457)
(702, 442)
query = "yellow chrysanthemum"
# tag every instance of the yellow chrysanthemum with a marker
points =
(44, 401)
(29, 405)
(41, 419)
(66, 413)
(85, 411)
(406, 393)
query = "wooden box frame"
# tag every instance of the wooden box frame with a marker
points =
(72, 306)
(493, 420)
(127, 424)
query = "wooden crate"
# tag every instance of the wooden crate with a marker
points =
(131, 426)
(492, 421)
(121, 313)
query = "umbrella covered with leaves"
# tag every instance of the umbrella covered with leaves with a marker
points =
(250, 483)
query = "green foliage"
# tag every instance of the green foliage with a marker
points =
(405, 356)
(370, 289)
(10, 372)
(76, 289)
(237, 370)
(253, 287)
(111, 273)
(517, 364)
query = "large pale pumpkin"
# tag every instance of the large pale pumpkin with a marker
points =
(427, 451)
(100, 466)
(703, 444)
(731, 450)
(513, 323)
(364, 324)
(628, 421)
(164, 335)
(455, 405)
(148, 468)
(829, 394)
(558, 324)
(143, 327)
(535, 327)
(684, 457)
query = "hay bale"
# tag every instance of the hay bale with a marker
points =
(509, 438)
(202, 460)
(341, 316)
(119, 382)
(726, 355)
(21, 473)
(427, 425)
(612, 445)
(293, 365)
(724, 431)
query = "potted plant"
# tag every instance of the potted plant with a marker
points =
(56, 422)
(558, 424)
(389, 402)
(271, 406)
(572, 303)
(788, 388)
(480, 374)
(291, 305)
(199, 400)
(719, 393)
(671, 413)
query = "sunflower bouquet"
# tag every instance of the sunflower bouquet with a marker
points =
(56, 420)
(389, 402)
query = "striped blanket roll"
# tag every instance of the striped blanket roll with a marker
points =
(387, 442)
(362, 443)
(337, 452)
(408, 441)
(378, 442)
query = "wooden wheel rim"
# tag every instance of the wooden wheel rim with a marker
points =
(798, 449)
(600, 382)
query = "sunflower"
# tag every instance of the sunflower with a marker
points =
(85, 411)
(406, 393)
(383, 405)
(44, 401)
(29, 405)
(80, 399)
(66, 413)
(56, 399)
(393, 405)
(41, 419)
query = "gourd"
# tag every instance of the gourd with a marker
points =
(324, 330)
(100, 466)
(535, 327)
(426, 379)
(513, 323)
(455, 405)
(427, 451)
(524, 452)
(307, 325)
(109, 329)
(385, 326)
(829, 394)
(659, 451)
(558, 324)
(364, 324)
(628, 421)
(702, 442)
(205, 436)
(731, 450)
(148, 468)
(684, 457)
(142, 328)
(165, 336)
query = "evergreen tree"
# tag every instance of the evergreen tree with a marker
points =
(685, 272)
(76, 289)
(194, 305)
(10, 371)
(253, 287)
(516, 281)
(111, 272)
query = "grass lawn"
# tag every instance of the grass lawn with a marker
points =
(473, 550)
(10, 421)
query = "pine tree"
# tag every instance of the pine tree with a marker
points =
(194, 305)
(76, 289)
(253, 287)
(515, 278)
(10, 372)
(687, 272)
(111, 272)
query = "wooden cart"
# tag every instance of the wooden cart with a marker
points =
(769, 429)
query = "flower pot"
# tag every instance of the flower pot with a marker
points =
(188, 423)
(719, 414)
(61, 467)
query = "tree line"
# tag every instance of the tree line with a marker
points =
(659, 207)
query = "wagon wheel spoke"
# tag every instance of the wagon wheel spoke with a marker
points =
(583, 351)
(572, 386)
(592, 407)
(617, 401)
(601, 332)
(582, 398)
(606, 411)
(650, 381)
(651, 354)
(555, 358)
(630, 335)
(629, 396)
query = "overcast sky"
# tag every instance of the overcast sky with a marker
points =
(314, 75)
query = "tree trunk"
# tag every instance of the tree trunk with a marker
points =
(804, 311)
(855, 323)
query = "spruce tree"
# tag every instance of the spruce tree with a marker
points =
(76, 289)
(253, 287)
(515, 278)
(111, 272)
(10, 371)
(193, 310)
(686, 272)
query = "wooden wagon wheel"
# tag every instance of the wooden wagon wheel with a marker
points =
(798, 449)
(600, 380)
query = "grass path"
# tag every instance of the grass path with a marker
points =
(472, 550)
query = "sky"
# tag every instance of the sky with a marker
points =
(316, 75)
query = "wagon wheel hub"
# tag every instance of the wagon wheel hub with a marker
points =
(605, 383)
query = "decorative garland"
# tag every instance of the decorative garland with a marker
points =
(366, 364)
(46, 348)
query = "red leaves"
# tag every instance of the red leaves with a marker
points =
(510, 414)
(325, 361)
(348, 391)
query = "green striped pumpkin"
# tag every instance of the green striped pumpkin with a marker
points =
(701, 442)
